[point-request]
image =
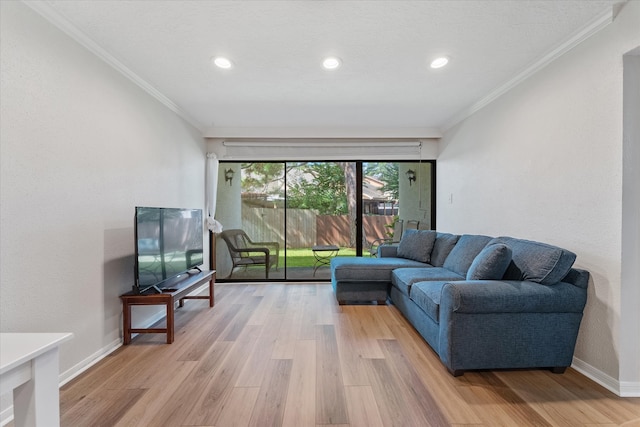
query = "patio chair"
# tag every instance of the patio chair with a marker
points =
(397, 234)
(245, 252)
(424, 225)
(412, 224)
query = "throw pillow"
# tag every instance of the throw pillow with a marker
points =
(417, 245)
(445, 242)
(536, 262)
(491, 263)
(464, 252)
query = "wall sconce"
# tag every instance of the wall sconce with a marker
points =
(411, 174)
(228, 176)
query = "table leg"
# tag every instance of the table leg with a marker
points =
(212, 297)
(170, 321)
(37, 402)
(126, 322)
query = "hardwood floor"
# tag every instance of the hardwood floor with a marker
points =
(287, 354)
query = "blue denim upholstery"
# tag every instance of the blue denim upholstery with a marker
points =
(361, 279)
(426, 295)
(464, 252)
(369, 269)
(491, 263)
(417, 245)
(537, 262)
(428, 329)
(513, 322)
(442, 247)
(387, 251)
(498, 296)
(403, 278)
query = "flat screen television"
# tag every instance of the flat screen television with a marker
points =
(169, 243)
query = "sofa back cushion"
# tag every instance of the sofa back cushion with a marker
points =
(491, 263)
(417, 245)
(464, 252)
(445, 242)
(536, 262)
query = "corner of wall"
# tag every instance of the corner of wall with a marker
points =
(620, 388)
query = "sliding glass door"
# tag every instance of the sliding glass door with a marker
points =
(291, 218)
(395, 196)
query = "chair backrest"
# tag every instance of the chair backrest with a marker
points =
(398, 229)
(235, 240)
(424, 225)
(412, 224)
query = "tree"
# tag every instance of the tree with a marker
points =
(386, 172)
(349, 173)
(327, 187)
(265, 178)
(318, 186)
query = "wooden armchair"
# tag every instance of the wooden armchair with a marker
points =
(245, 252)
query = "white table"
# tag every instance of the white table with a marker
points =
(29, 368)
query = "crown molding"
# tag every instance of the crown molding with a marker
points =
(596, 25)
(321, 132)
(62, 23)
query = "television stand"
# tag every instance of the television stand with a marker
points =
(179, 291)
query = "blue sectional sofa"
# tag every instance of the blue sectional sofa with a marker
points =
(479, 302)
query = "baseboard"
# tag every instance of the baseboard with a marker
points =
(87, 363)
(629, 389)
(6, 416)
(622, 389)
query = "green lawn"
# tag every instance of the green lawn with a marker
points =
(304, 257)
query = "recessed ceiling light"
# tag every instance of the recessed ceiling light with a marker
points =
(222, 62)
(439, 62)
(331, 63)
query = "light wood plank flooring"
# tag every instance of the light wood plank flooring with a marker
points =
(287, 354)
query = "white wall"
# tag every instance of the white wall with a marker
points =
(630, 292)
(81, 147)
(544, 162)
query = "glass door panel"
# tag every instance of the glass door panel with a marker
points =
(395, 196)
(251, 199)
(320, 217)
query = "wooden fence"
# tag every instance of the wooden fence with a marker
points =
(306, 228)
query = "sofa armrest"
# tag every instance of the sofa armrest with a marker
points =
(386, 251)
(495, 296)
(508, 324)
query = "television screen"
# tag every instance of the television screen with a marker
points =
(168, 243)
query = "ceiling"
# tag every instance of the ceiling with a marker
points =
(277, 86)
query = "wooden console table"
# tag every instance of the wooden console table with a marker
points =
(178, 292)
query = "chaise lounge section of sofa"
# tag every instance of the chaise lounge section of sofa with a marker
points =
(479, 302)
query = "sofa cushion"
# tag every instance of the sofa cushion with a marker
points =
(491, 263)
(442, 247)
(464, 252)
(417, 245)
(426, 295)
(360, 269)
(536, 262)
(403, 278)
